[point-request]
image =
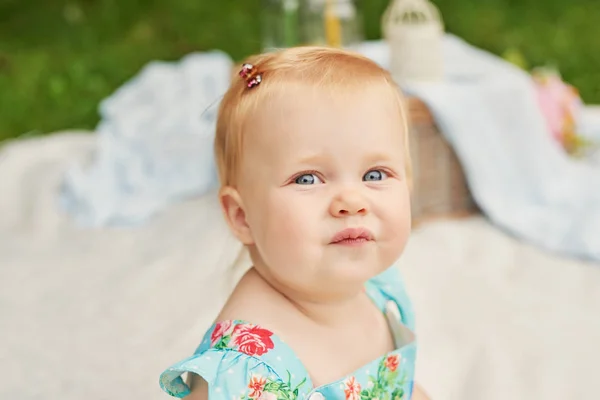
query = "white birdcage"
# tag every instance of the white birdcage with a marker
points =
(414, 30)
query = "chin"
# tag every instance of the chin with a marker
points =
(355, 274)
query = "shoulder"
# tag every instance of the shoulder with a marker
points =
(253, 299)
(389, 285)
(238, 360)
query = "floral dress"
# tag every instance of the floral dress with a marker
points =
(242, 361)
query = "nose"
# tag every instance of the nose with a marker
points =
(347, 204)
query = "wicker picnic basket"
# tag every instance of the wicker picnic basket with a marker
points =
(439, 184)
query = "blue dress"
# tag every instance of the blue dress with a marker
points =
(242, 361)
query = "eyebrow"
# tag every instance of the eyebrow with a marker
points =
(379, 157)
(319, 158)
(313, 159)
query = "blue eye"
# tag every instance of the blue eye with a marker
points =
(374, 175)
(308, 179)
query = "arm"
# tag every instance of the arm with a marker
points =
(418, 393)
(198, 387)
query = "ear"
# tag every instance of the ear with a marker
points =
(233, 210)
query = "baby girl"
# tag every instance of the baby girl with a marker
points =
(312, 153)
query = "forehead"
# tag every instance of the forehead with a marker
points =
(324, 119)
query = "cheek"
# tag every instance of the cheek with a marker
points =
(282, 223)
(397, 218)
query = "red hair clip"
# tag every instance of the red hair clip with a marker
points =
(247, 73)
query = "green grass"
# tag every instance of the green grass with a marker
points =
(58, 59)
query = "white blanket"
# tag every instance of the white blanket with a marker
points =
(97, 314)
(155, 143)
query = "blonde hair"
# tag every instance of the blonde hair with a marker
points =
(316, 66)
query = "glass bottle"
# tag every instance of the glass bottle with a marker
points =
(288, 23)
(281, 24)
(335, 23)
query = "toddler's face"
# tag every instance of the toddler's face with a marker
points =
(323, 187)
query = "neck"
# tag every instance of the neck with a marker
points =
(331, 312)
(326, 308)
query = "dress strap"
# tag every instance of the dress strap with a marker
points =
(389, 286)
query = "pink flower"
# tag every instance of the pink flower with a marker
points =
(352, 389)
(559, 102)
(252, 340)
(392, 362)
(256, 386)
(221, 329)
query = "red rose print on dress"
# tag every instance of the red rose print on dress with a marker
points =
(251, 339)
(392, 362)
(256, 386)
(221, 329)
(352, 389)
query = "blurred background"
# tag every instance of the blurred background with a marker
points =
(58, 59)
(114, 257)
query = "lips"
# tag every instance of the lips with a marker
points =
(352, 236)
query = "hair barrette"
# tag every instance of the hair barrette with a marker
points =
(248, 74)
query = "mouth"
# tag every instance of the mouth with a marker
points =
(352, 237)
